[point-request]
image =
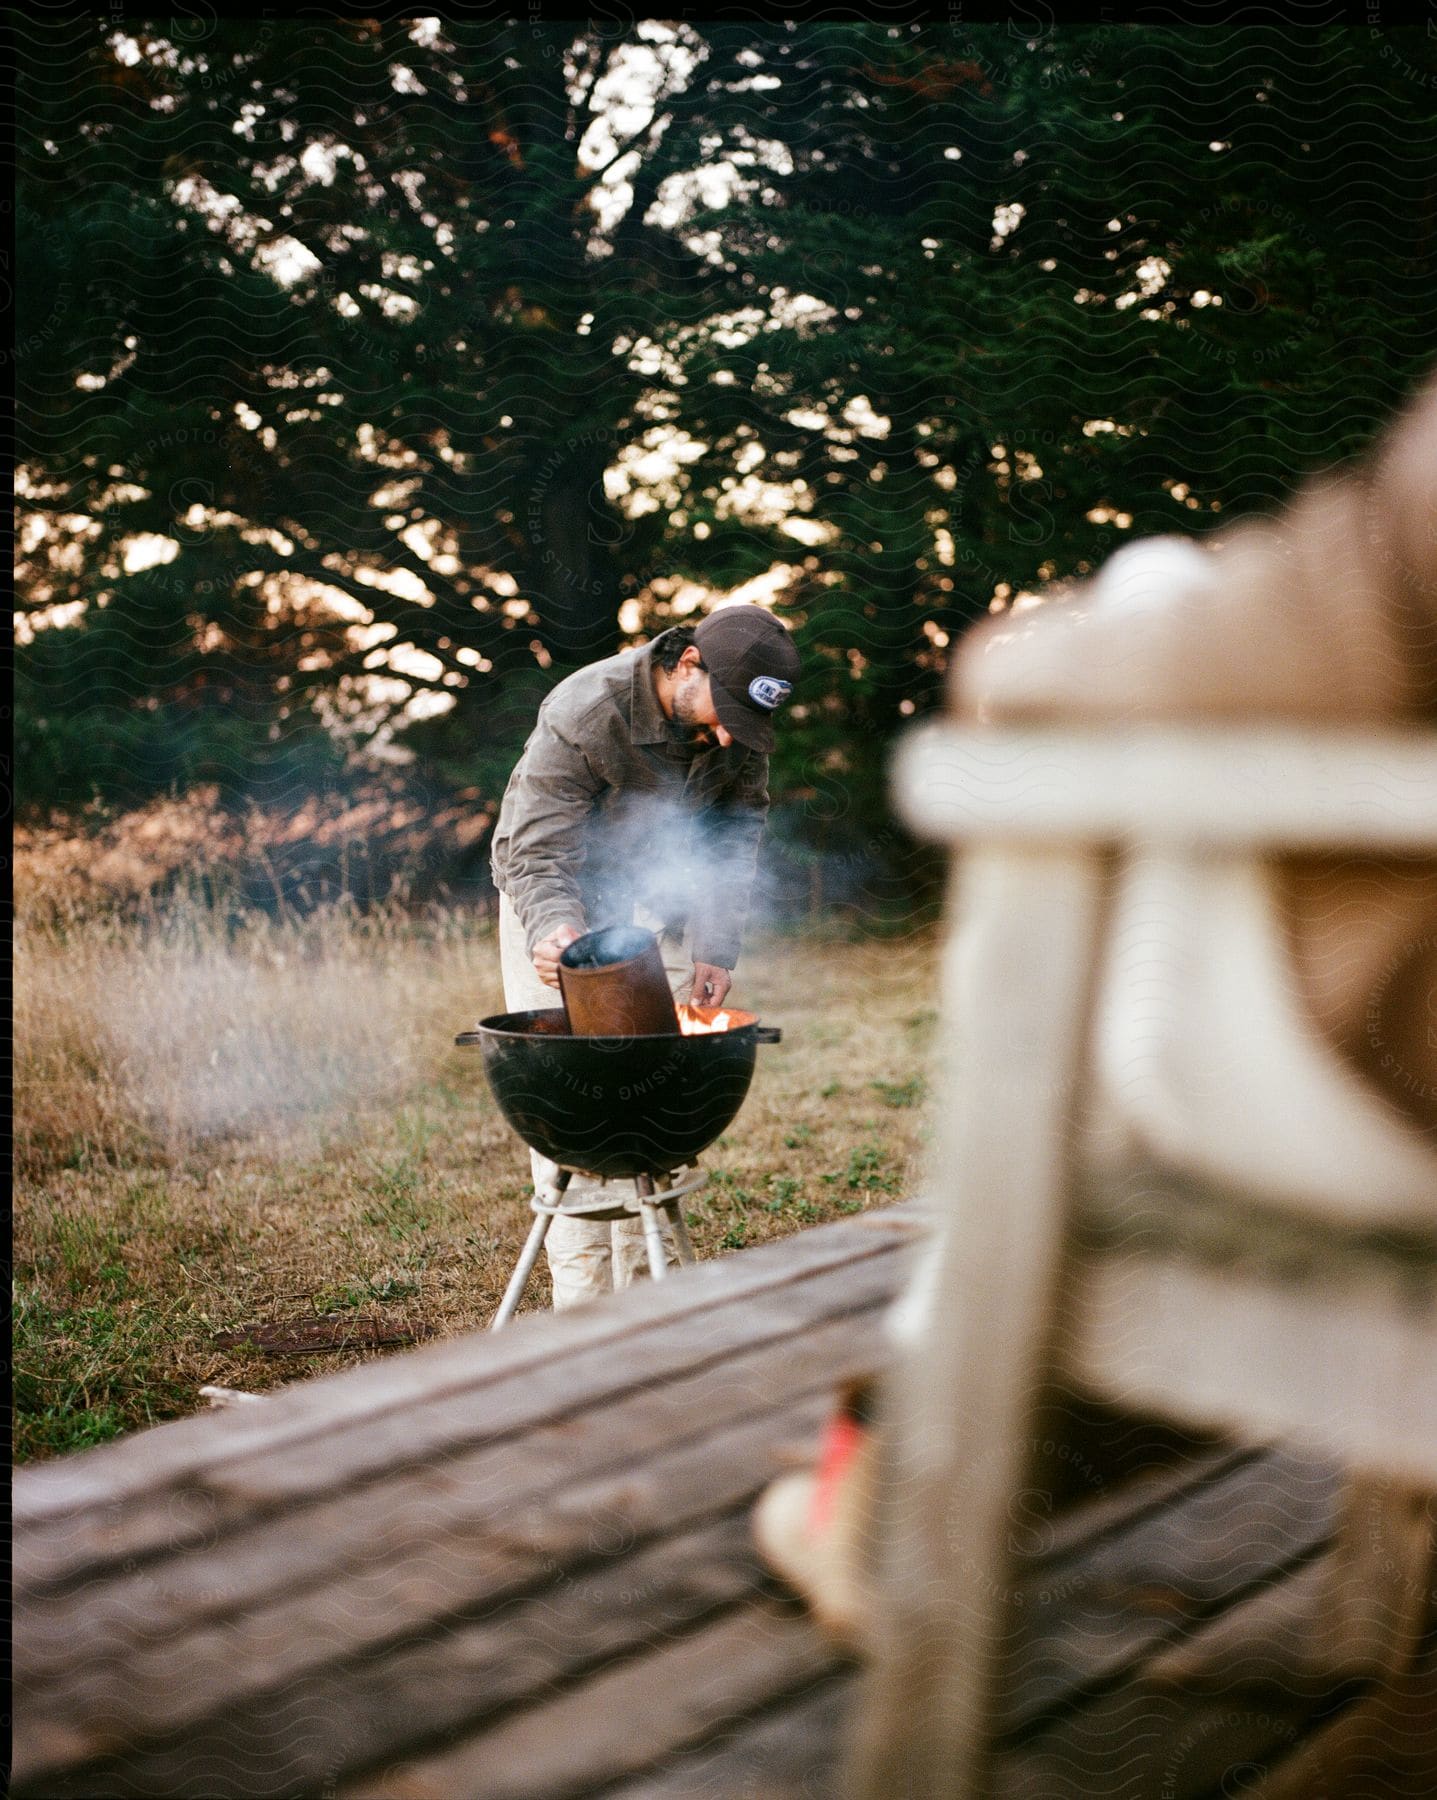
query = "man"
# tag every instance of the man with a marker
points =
(640, 797)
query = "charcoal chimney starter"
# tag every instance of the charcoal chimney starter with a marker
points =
(614, 984)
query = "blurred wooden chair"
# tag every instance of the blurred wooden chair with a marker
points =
(1152, 1185)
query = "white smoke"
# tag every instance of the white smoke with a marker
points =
(208, 1037)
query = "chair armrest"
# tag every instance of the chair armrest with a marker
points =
(1222, 788)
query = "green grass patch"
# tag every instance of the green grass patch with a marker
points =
(901, 1093)
(84, 1372)
(869, 1171)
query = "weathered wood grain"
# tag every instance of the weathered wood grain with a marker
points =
(585, 1460)
(244, 1474)
(504, 1487)
(132, 1685)
(571, 1603)
(337, 1406)
(1094, 1616)
(626, 1718)
(270, 1677)
(347, 1713)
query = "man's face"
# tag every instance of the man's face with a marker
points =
(695, 724)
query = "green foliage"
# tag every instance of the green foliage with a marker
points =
(399, 1207)
(93, 723)
(1058, 288)
(785, 1190)
(79, 1366)
(1092, 282)
(427, 399)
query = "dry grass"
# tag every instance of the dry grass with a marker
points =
(223, 1122)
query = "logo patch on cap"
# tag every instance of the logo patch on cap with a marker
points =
(767, 690)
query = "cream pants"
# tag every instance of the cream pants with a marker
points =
(587, 1257)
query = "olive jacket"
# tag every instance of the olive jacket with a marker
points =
(605, 811)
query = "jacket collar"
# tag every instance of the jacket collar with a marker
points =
(647, 724)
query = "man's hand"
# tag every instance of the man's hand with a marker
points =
(711, 983)
(548, 951)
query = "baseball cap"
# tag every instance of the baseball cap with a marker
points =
(752, 665)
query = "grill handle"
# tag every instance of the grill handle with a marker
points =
(469, 1037)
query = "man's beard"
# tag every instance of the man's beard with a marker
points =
(685, 731)
(691, 737)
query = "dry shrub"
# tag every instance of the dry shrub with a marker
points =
(138, 1038)
(67, 867)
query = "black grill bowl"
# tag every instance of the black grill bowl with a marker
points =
(617, 1107)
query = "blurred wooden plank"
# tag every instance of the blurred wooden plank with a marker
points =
(421, 1626)
(1232, 786)
(1121, 1507)
(1132, 1743)
(1094, 1616)
(1297, 1634)
(964, 1397)
(625, 1719)
(1158, 1331)
(790, 1752)
(317, 1413)
(1381, 1747)
(350, 1712)
(513, 1478)
(1272, 1638)
(506, 1392)
(235, 1687)
(1380, 1590)
(794, 1753)
(153, 1650)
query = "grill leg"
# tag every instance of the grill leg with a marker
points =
(528, 1256)
(653, 1227)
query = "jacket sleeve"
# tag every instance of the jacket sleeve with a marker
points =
(550, 798)
(732, 829)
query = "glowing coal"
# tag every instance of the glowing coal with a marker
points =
(694, 1021)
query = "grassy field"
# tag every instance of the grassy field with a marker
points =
(225, 1123)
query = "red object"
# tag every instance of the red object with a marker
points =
(842, 1440)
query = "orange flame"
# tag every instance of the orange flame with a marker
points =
(693, 1024)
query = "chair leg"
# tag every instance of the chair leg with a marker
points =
(1376, 1608)
(958, 1410)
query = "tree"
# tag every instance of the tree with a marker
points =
(343, 319)
(1090, 283)
(375, 323)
